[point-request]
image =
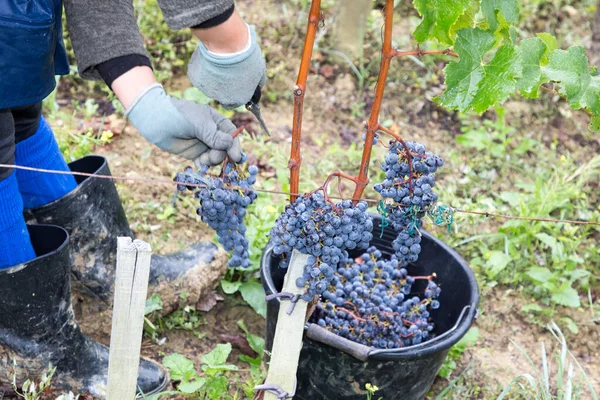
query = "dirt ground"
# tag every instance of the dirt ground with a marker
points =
(329, 98)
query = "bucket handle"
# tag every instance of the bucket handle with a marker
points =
(424, 344)
(362, 352)
(322, 335)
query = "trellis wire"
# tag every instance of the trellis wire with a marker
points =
(440, 215)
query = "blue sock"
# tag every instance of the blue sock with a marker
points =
(15, 246)
(41, 151)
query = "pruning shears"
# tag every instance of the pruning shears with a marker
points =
(254, 108)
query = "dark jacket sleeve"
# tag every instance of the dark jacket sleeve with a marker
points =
(101, 30)
(181, 14)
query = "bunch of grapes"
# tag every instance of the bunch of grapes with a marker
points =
(314, 226)
(405, 209)
(223, 203)
(369, 301)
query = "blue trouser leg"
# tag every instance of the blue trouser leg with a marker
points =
(41, 151)
(15, 246)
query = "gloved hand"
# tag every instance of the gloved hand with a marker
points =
(194, 131)
(231, 79)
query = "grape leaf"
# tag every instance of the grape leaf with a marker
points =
(472, 83)
(570, 68)
(508, 8)
(438, 18)
(551, 45)
(500, 79)
(467, 19)
(531, 51)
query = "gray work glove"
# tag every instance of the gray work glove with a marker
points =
(194, 131)
(229, 79)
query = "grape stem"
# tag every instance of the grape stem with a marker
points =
(227, 159)
(325, 190)
(409, 156)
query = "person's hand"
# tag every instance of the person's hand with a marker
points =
(194, 131)
(231, 79)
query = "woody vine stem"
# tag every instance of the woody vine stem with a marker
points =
(372, 125)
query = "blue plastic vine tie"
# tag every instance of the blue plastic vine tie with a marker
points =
(277, 391)
(383, 212)
(293, 298)
(443, 215)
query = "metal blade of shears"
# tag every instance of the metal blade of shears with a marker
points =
(254, 108)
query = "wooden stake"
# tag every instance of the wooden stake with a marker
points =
(131, 289)
(288, 336)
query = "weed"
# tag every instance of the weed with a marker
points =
(457, 351)
(552, 261)
(214, 382)
(546, 383)
(371, 389)
(30, 390)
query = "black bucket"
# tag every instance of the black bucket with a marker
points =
(334, 368)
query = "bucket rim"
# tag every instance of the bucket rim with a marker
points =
(438, 344)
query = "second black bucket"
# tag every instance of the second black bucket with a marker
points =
(333, 368)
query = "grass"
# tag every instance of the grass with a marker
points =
(566, 381)
(518, 175)
(489, 166)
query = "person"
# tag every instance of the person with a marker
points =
(85, 215)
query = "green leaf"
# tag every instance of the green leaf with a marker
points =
(578, 274)
(496, 263)
(477, 139)
(500, 79)
(218, 356)
(550, 242)
(540, 274)
(566, 296)
(154, 303)
(254, 295)
(570, 324)
(438, 17)
(180, 367)
(191, 387)
(570, 68)
(536, 308)
(512, 198)
(551, 45)
(470, 82)
(508, 8)
(216, 387)
(256, 342)
(230, 287)
(470, 338)
(595, 124)
(214, 361)
(531, 51)
(466, 20)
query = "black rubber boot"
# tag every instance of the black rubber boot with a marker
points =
(94, 217)
(37, 327)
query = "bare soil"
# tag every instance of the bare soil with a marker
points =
(327, 113)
